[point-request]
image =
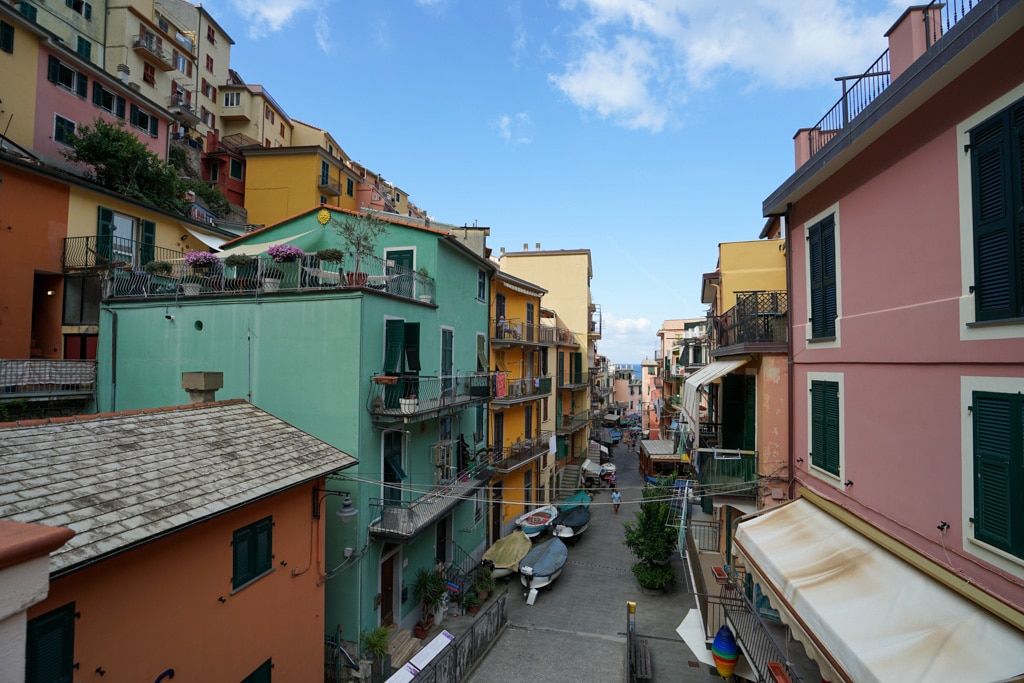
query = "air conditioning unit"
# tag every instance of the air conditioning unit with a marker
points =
(134, 86)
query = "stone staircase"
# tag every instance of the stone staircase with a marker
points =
(570, 482)
(402, 647)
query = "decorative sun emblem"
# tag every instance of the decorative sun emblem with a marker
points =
(323, 216)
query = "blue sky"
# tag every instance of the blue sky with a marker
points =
(648, 131)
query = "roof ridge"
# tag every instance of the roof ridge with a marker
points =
(34, 422)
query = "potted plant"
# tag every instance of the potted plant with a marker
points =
(158, 268)
(360, 232)
(471, 603)
(285, 253)
(272, 277)
(484, 583)
(375, 643)
(240, 262)
(654, 578)
(652, 540)
(428, 588)
(201, 261)
(330, 254)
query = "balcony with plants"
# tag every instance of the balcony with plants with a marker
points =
(758, 323)
(414, 397)
(512, 390)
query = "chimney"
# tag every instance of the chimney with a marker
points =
(910, 37)
(503, 251)
(538, 246)
(201, 386)
(526, 247)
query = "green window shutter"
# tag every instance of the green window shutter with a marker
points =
(6, 37)
(263, 530)
(105, 234)
(412, 346)
(81, 82)
(561, 369)
(134, 111)
(822, 264)
(577, 367)
(991, 196)
(53, 69)
(50, 646)
(97, 94)
(998, 462)
(154, 126)
(84, 49)
(242, 549)
(394, 343)
(120, 107)
(87, 12)
(148, 246)
(831, 423)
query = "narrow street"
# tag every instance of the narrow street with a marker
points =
(576, 630)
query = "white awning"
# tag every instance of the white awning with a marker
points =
(257, 248)
(212, 241)
(707, 374)
(863, 613)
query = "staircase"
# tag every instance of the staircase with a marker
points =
(570, 481)
(460, 572)
(402, 647)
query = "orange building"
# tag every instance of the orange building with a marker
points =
(196, 552)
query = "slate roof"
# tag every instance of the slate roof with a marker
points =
(659, 447)
(122, 479)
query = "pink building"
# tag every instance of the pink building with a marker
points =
(903, 223)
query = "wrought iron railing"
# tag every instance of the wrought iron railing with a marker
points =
(516, 455)
(112, 253)
(757, 317)
(572, 423)
(940, 15)
(596, 326)
(509, 390)
(408, 395)
(514, 329)
(573, 379)
(24, 378)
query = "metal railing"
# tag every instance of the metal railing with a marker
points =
(405, 519)
(111, 253)
(940, 15)
(572, 423)
(457, 660)
(28, 378)
(758, 317)
(149, 43)
(509, 390)
(728, 472)
(521, 453)
(409, 395)
(514, 329)
(596, 326)
(574, 379)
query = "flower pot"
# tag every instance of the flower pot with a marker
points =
(474, 609)
(355, 279)
(191, 288)
(271, 284)
(386, 379)
(421, 631)
(408, 405)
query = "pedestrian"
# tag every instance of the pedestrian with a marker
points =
(616, 500)
(613, 480)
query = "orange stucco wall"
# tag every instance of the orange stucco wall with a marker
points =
(33, 223)
(159, 607)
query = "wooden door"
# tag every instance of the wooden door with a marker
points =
(387, 590)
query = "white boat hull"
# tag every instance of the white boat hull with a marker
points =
(539, 581)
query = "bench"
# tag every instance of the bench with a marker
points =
(641, 659)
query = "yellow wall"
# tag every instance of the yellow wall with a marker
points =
(280, 186)
(19, 92)
(565, 274)
(751, 266)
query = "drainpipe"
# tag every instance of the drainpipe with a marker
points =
(113, 359)
(789, 350)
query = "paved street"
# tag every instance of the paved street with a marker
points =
(576, 631)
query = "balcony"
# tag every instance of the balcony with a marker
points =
(83, 255)
(596, 326)
(328, 186)
(728, 472)
(509, 391)
(400, 521)
(44, 379)
(151, 48)
(507, 332)
(182, 111)
(415, 398)
(569, 424)
(574, 381)
(521, 453)
(758, 323)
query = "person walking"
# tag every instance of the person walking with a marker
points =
(613, 480)
(616, 500)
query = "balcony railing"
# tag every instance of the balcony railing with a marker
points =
(35, 378)
(182, 110)
(574, 380)
(861, 90)
(519, 331)
(520, 453)
(509, 390)
(147, 43)
(757, 318)
(403, 520)
(123, 261)
(328, 185)
(596, 326)
(573, 423)
(419, 396)
(732, 472)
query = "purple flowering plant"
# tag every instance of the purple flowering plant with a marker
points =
(201, 259)
(283, 253)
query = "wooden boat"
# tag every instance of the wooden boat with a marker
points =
(504, 555)
(542, 565)
(536, 521)
(574, 516)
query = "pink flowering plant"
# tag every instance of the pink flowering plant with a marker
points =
(284, 253)
(201, 259)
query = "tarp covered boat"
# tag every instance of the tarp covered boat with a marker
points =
(504, 555)
(542, 565)
(574, 516)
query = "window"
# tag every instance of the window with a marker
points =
(398, 197)
(108, 101)
(824, 425)
(401, 346)
(393, 473)
(81, 300)
(28, 10)
(209, 90)
(209, 63)
(480, 505)
(123, 238)
(282, 129)
(350, 188)
(997, 174)
(252, 550)
(325, 172)
(144, 121)
(235, 170)
(6, 37)
(179, 61)
(323, 199)
(50, 646)
(149, 74)
(481, 285)
(209, 118)
(821, 268)
(83, 8)
(63, 129)
(998, 422)
(211, 35)
(232, 99)
(63, 75)
(84, 48)
(268, 114)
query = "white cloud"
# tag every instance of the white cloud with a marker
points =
(270, 17)
(663, 50)
(515, 129)
(322, 29)
(626, 340)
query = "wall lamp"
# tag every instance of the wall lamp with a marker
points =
(347, 510)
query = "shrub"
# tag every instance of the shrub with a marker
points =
(330, 254)
(238, 260)
(158, 268)
(654, 576)
(650, 538)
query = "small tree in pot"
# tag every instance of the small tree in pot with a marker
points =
(652, 540)
(360, 233)
(428, 589)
